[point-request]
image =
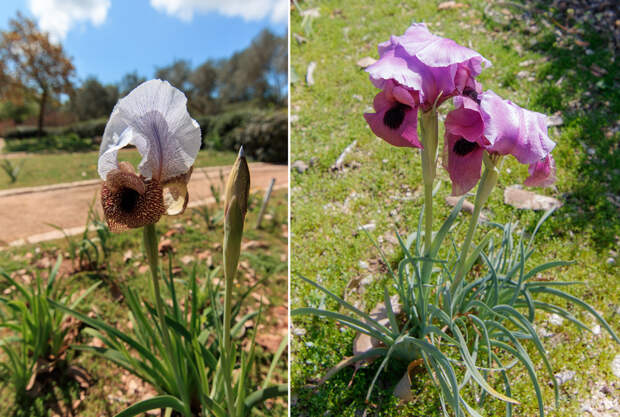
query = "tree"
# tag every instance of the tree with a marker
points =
(203, 82)
(259, 71)
(93, 99)
(178, 74)
(130, 81)
(35, 63)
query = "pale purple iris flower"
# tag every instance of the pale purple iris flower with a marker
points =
(436, 67)
(396, 116)
(496, 126)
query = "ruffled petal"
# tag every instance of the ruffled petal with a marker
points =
(542, 173)
(514, 130)
(463, 161)
(436, 51)
(394, 65)
(154, 118)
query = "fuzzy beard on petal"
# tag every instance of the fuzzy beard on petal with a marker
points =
(129, 201)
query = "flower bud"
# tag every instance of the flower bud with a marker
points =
(238, 184)
(236, 206)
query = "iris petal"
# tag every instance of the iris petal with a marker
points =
(154, 118)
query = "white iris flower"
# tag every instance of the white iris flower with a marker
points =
(153, 118)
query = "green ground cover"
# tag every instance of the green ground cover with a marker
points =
(537, 64)
(55, 168)
(195, 243)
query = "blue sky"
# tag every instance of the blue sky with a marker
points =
(109, 38)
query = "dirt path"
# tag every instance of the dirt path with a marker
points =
(25, 214)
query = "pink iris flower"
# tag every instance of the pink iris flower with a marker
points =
(496, 126)
(428, 64)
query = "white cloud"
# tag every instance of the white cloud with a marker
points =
(58, 16)
(276, 10)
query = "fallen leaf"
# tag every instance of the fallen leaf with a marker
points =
(467, 206)
(268, 340)
(187, 259)
(310, 73)
(450, 5)
(522, 199)
(254, 244)
(127, 256)
(165, 246)
(366, 62)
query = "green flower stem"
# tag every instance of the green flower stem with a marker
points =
(233, 231)
(487, 183)
(429, 133)
(151, 251)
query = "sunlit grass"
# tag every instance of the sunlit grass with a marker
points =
(383, 188)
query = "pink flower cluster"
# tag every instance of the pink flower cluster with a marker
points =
(419, 70)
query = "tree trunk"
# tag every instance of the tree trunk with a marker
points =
(42, 102)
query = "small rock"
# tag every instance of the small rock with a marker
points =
(555, 120)
(363, 265)
(368, 227)
(596, 330)
(311, 13)
(310, 73)
(564, 376)
(299, 166)
(615, 366)
(556, 319)
(523, 74)
(298, 331)
(300, 39)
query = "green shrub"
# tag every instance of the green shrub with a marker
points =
(61, 142)
(263, 134)
(88, 129)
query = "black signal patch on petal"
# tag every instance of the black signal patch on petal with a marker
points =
(128, 199)
(463, 147)
(471, 93)
(395, 116)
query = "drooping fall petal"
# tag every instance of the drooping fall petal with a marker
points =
(396, 116)
(463, 161)
(542, 173)
(512, 130)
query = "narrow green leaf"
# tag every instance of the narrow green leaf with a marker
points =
(162, 401)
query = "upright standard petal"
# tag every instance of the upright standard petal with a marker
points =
(436, 67)
(514, 130)
(154, 118)
(466, 121)
(396, 116)
(436, 51)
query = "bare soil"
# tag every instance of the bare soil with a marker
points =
(26, 214)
